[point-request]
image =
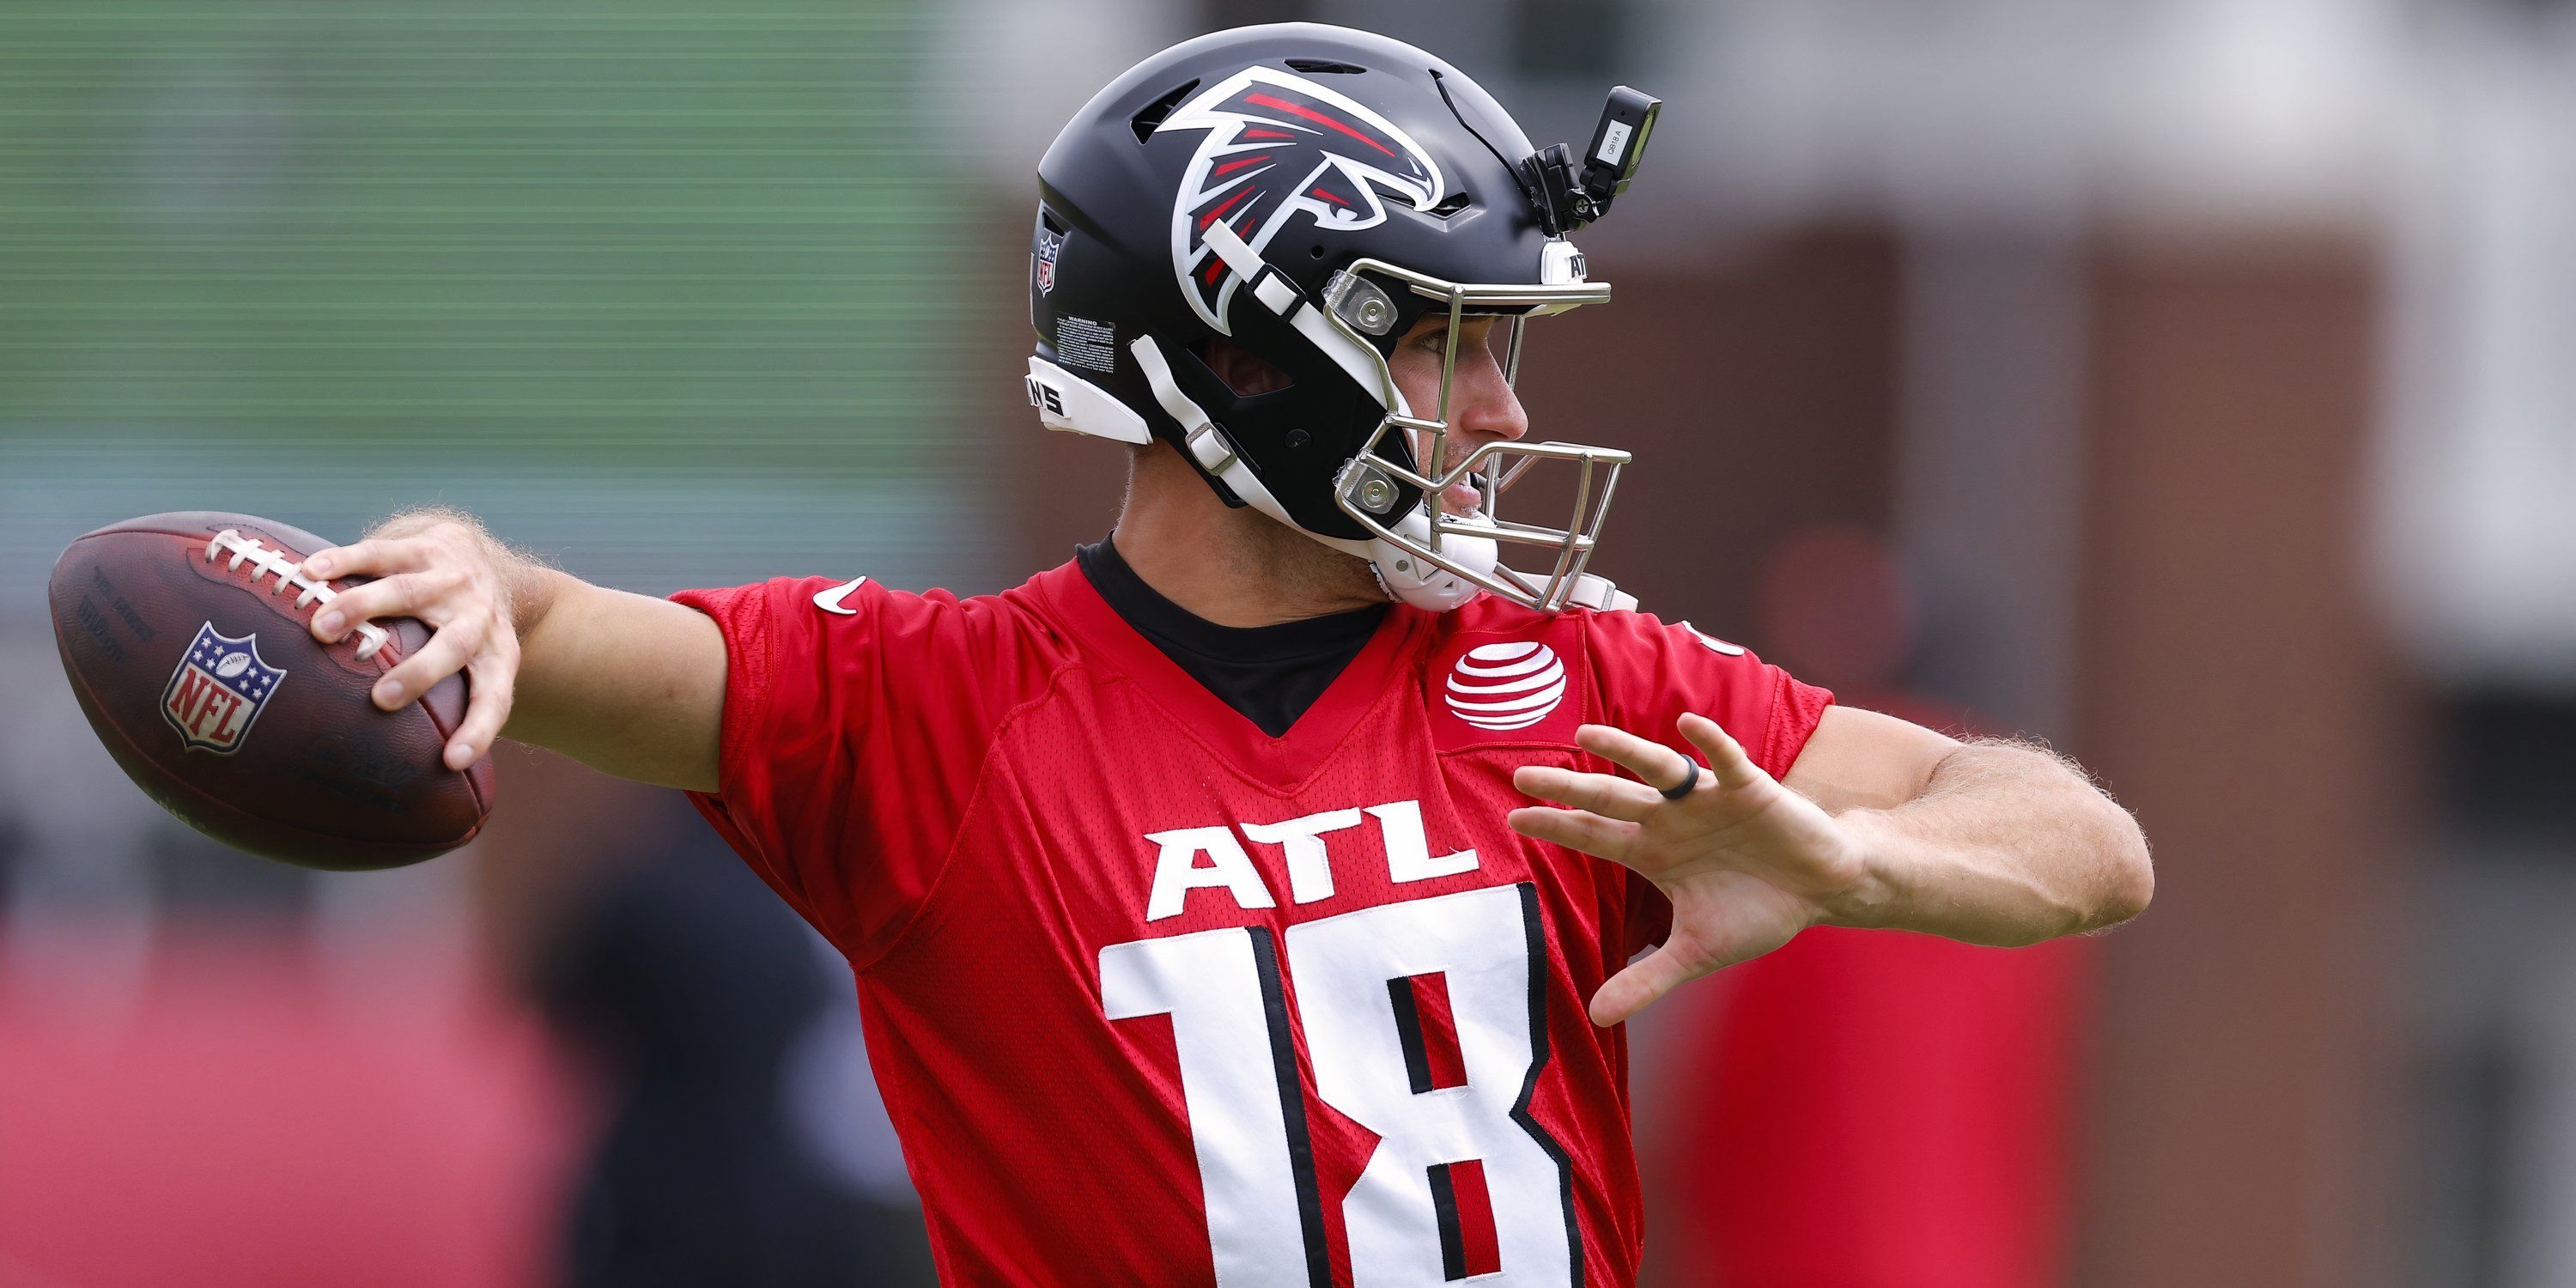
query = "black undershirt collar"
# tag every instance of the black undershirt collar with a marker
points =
(1271, 674)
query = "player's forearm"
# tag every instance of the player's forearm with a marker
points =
(625, 683)
(2006, 845)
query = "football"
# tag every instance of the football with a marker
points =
(186, 639)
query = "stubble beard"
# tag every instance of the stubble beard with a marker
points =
(1304, 571)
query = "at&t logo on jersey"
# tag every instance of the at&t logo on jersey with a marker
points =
(1503, 687)
(219, 689)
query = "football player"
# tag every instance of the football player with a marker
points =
(1258, 897)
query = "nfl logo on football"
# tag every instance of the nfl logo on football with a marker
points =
(218, 690)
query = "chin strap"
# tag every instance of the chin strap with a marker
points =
(1591, 590)
(1208, 446)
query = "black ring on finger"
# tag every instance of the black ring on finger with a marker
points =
(1688, 784)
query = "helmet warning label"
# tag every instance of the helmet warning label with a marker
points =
(1081, 342)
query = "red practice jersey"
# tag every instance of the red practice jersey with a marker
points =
(1155, 998)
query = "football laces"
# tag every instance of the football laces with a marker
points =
(264, 560)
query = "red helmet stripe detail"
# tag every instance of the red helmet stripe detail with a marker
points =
(1219, 213)
(1293, 109)
(1240, 162)
(1329, 197)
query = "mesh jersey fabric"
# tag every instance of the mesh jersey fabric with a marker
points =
(1066, 876)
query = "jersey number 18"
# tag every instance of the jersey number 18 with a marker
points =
(1446, 1132)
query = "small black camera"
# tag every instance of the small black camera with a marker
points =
(1567, 196)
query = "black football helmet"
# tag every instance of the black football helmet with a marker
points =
(1310, 192)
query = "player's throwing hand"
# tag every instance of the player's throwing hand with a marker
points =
(442, 572)
(1746, 862)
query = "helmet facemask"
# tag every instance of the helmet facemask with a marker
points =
(1409, 455)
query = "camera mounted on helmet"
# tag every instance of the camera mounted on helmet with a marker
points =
(1566, 199)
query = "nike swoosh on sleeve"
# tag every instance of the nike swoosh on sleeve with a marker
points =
(830, 600)
(1715, 645)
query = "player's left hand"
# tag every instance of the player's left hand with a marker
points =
(1746, 862)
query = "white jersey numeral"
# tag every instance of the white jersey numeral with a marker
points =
(1221, 988)
(1354, 975)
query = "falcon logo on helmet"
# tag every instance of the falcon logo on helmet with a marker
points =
(1279, 145)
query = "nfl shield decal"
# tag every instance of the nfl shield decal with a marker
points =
(1049, 245)
(218, 690)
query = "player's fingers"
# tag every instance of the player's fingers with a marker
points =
(1657, 765)
(1594, 835)
(1600, 793)
(490, 682)
(404, 594)
(448, 650)
(1634, 989)
(370, 558)
(1726, 759)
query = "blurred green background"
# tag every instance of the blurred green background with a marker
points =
(616, 275)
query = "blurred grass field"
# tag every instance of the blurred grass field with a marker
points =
(651, 272)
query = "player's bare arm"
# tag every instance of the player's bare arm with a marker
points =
(1880, 823)
(557, 662)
